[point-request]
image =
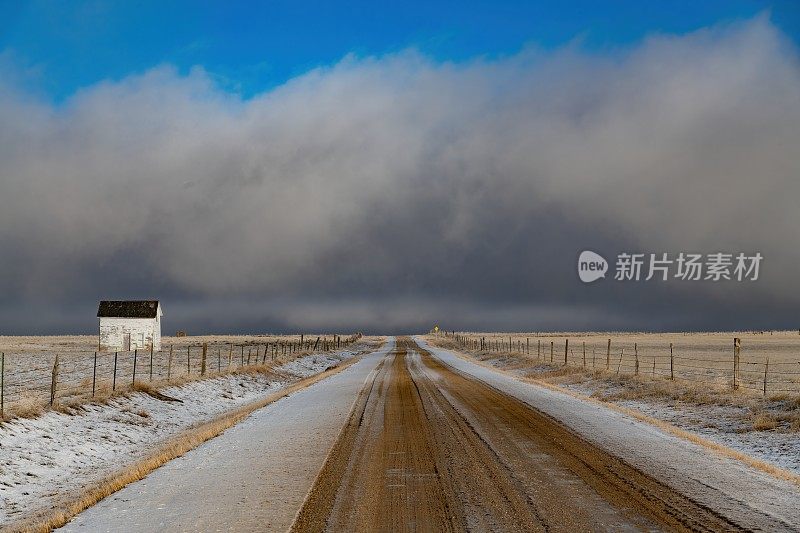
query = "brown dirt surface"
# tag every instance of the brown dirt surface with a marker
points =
(427, 448)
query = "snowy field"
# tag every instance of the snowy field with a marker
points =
(728, 425)
(45, 457)
(28, 364)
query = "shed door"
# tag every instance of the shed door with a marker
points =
(126, 342)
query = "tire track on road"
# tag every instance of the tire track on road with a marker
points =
(428, 448)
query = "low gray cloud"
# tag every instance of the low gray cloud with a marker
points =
(389, 192)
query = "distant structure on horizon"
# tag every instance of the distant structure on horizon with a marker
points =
(129, 325)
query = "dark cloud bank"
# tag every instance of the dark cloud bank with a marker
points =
(386, 194)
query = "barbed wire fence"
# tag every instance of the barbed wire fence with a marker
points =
(760, 373)
(35, 380)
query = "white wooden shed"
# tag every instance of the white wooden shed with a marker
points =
(129, 325)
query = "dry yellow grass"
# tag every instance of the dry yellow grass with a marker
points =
(28, 406)
(764, 421)
(713, 351)
(174, 447)
(612, 386)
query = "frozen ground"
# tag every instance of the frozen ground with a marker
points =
(43, 458)
(748, 496)
(727, 425)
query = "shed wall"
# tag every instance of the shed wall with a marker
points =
(144, 332)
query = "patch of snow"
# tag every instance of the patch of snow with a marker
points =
(726, 425)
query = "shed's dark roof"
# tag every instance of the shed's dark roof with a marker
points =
(128, 309)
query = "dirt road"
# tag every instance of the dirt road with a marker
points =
(427, 448)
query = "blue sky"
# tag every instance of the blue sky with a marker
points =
(250, 47)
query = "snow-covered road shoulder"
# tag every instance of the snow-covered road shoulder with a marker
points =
(45, 458)
(253, 477)
(748, 496)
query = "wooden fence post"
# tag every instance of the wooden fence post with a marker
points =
(528, 345)
(608, 355)
(619, 366)
(636, 355)
(114, 381)
(766, 370)
(538, 349)
(135, 355)
(203, 361)
(241, 361)
(2, 383)
(188, 360)
(737, 346)
(53, 382)
(219, 359)
(584, 354)
(551, 350)
(94, 375)
(566, 347)
(230, 356)
(671, 364)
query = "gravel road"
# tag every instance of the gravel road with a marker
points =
(429, 448)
